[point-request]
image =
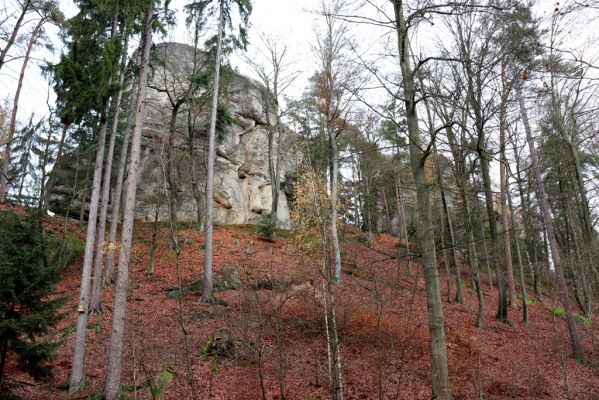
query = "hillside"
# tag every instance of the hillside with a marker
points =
(271, 302)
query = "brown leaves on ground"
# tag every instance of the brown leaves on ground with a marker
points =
(382, 319)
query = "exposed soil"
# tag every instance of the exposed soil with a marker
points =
(385, 352)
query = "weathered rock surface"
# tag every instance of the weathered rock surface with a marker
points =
(242, 183)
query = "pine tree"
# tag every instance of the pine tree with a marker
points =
(27, 277)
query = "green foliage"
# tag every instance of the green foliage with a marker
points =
(268, 226)
(26, 313)
(208, 348)
(201, 11)
(62, 251)
(557, 312)
(224, 119)
(587, 322)
(161, 381)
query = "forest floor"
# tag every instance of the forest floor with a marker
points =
(271, 311)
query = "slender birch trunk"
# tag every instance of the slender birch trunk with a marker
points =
(115, 348)
(207, 289)
(334, 185)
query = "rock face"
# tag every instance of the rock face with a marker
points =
(242, 189)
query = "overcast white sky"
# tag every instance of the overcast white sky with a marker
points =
(292, 20)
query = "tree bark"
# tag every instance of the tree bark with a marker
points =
(15, 31)
(334, 184)
(548, 219)
(519, 258)
(15, 107)
(502, 306)
(438, 350)
(118, 190)
(115, 348)
(527, 221)
(404, 222)
(77, 379)
(100, 243)
(207, 289)
(461, 182)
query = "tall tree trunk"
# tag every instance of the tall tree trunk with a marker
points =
(77, 379)
(505, 218)
(527, 222)
(519, 258)
(100, 244)
(85, 189)
(570, 140)
(548, 219)
(461, 182)
(118, 190)
(484, 240)
(438, 350)
(171, 176)
(115, 348)
(502, 306)
(13, 116)
(207, 289)
(25, 7)
(334, 184)
(444, 250)
(404, 222)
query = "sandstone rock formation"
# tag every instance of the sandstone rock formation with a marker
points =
(242, 182)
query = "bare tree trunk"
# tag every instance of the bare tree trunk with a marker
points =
(207, 292)
(77, 379)
(548, 219)
(25, 7)
(15, 107)
(520, 263)
(527, 221)
(404, 222)
(484, 240)
(461, 182)
(115, 348)
(171, 176)
(444, 251)
(118, 190)
(84, 191)
(505, 221)
(334, 184)
(502, 306)
(97, 276)
(154, 245)
(438, 350)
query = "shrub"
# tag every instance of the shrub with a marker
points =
(557, 312)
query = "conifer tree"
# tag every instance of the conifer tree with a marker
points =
(84, 80)
(27, 276)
